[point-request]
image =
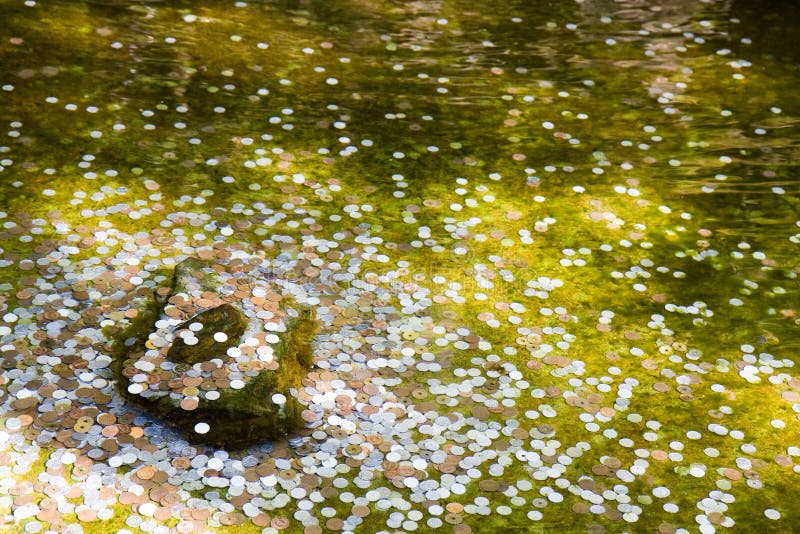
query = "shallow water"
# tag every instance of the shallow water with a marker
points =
(554, 246)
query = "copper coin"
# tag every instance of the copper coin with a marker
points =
(189, 403)
(146, 472)
(261, 520)
(334, 523)
(279, 523)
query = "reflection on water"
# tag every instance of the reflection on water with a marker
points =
(554, 246)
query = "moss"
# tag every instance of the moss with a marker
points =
(226, 319)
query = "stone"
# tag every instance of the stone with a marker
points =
(215, 362)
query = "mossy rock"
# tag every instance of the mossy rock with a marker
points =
(225, 319)
(241, 415)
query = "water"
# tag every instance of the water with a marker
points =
(449, 160)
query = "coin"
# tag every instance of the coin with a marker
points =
(146, 472)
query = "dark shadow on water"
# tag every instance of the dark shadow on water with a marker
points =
(774, 26)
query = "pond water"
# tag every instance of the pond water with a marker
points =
(552, 248)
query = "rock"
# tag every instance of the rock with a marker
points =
(221, 358)
(225, 319)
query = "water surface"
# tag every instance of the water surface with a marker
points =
(588, 209)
